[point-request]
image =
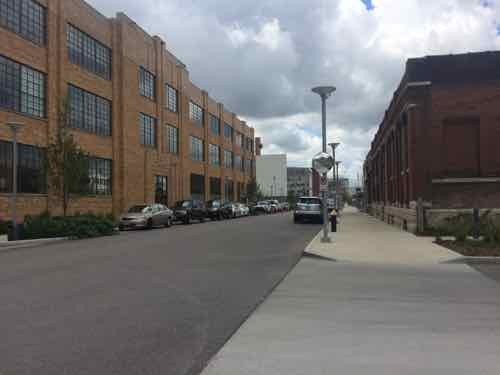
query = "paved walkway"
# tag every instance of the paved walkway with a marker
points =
(384, 308)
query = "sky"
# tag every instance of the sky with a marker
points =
(262, 57)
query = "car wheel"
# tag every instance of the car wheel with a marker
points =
(187, 220)
(149, 225)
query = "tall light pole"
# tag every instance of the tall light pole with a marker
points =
(337, 163)
(324, 92)
(14, 127)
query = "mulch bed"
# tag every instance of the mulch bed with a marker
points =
(472, 248)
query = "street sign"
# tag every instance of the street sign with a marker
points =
(322, 163)
(323, 184)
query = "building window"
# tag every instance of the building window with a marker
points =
(87, 52)
(228, 189)
(148, 130)
(161, 190)
(147, 83)
(197, 187)
(196, 114)
(214, 154)
(30, 170)
(237, 162)
(214, 125)
(22, 89)
(100, 176)
(238, 137)
(228, 159)
(172, 140)
(228, 132)
(89, 112)
(171, 98)
(215, 188)
(196, 149)
(248, 166)
(24, 17)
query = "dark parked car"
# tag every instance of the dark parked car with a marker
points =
(189, 210)
(229, 210)
(146, 216)
(215, 209)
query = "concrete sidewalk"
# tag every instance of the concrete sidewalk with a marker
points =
(384, 309)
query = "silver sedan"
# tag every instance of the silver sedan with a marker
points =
(146, 216)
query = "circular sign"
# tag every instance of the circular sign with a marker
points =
(322, 162)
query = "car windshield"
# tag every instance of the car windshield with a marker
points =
(309, 201)
(138, 209)
(183, 204)
(262, 203)
(213, 204)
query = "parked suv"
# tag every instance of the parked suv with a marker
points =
(214, 210)
(308, 208)
(189, 210)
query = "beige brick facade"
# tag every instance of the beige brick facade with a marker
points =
(134, 166)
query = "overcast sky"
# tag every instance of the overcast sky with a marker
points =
(261, 58)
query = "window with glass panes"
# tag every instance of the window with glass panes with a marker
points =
(172, 139)
(214, 124)
(242, 165)
(238, 138)
(237, 162)
(197, 187)
(30, 170)
(228, 132)
(87, 52)
(228, 189)
(214, 154)
(228, 159)
(147, 127)
(147, 83)
(196, 114)
(196, 149)
(248, 166)
(24, 17)
(215, 190)
(171, 98)
(89, 112)
(100, 176)
(161, 190)
(22, 89)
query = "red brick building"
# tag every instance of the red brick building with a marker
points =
(151, 133)
(438, 141)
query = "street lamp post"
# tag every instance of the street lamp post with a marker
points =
(14, 127)
(324, 92)
(337, 198)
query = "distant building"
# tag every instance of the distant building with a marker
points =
(300, 181)
(438, 142)
(315, 183)
(271, 174)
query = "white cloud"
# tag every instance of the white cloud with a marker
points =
(261, 57)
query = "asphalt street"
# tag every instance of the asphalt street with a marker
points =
(144, 302)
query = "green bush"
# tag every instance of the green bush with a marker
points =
(460, 226)
(80, 226)
(4, 225)
(489, 230)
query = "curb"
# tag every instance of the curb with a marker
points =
(11, 245)
(473, 260)
(308, 254)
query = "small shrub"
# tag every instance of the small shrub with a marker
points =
(490, 231)
(4, 226)
(460, 226)
(81, 226)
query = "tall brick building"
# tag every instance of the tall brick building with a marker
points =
(438, 142)
(151, 133)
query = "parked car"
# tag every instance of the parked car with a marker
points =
(215, 209)
(244, 210)
(146, 216)
(262, 207)
(308, 208)
(188, 210)
(275, 206)
(230, 210)
(285, 206)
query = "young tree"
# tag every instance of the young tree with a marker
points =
(67, 164)
(253, 191)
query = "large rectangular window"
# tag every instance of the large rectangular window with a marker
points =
(161, 190)
(228, 189)
(171, 98)
(228, 132)
(215, 190)
(89, 112)
(228, 159)
(22, 89)
(248, 166)
(24, 17)
(197, 187)
(196, 149)
(100, 176)
(214, 154)
(214, 125)
(237, 162)
(196, 114)
(30, 171)
(172, 141)
(238, 139)
(87, 52)
(147, 83)
(147, 126)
